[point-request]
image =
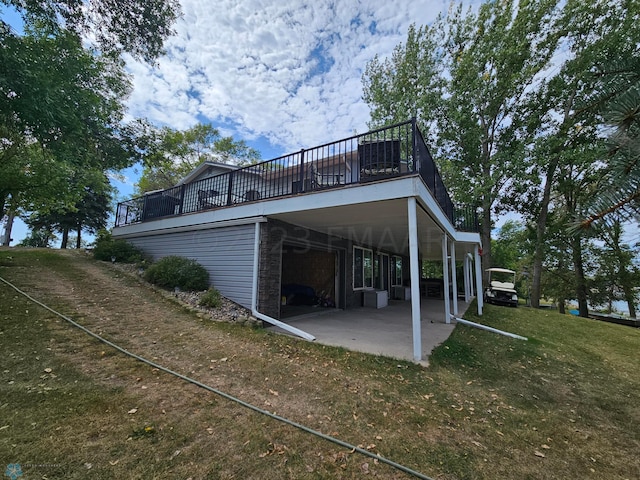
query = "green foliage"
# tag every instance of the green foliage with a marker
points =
(211, 299)
(137, 27)
(89, 212)
(107, 248)
(515, 97)
(62, 119)
(173, 271)
(40, 238)
(619, 97)
(465, 77)
(175, 153)
(511, 246)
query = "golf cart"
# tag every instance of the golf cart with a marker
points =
(501, 289)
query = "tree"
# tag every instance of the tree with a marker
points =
(38, 238)
(618, 95)
(616, 274)
(510, 248)
(61, 111)
(93, 194)
(570, 114)
(61, 104)
(175, 153)
(468, 75)
(137, 27)
(508, 97)
(558, 278)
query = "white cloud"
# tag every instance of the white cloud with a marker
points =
(289, 71)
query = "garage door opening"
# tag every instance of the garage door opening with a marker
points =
(309, 280)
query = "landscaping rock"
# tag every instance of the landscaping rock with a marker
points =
(228, 311)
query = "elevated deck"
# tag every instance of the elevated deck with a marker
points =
(380, 155)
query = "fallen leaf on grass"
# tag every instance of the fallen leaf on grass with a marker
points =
(539, 454)
(273, 392)
(546, 447)
(132, 411)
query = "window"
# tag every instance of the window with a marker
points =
(362, 268)
(396, 270)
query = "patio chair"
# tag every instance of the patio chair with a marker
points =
(208, 199)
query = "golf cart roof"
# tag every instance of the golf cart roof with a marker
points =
(500, 270)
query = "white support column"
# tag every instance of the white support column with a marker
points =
(454, 278)
(445, 275)
(414, 267)
(471, 289)
(479, 291)
(465, 272)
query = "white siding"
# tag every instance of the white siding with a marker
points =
(226, 253)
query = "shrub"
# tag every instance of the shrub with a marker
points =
(172, 271)
(211, 299)
(106, 248)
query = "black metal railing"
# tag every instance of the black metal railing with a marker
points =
(380, 154)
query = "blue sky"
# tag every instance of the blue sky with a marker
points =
(280, 75)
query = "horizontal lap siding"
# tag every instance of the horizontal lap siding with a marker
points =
(226, 253)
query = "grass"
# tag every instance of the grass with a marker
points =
(561, 405)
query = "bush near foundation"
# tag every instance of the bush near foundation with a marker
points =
(110, 250)
(211, 299)
(184, 273)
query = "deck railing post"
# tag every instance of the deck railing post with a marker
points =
(144, 207)
(230, 189)
(302, 189)
(182, 188)
(416, 163)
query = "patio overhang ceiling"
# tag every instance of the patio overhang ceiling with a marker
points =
(382, 225)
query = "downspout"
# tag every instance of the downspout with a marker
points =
(254, 294)
(487, 328)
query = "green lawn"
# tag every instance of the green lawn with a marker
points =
(562, 405)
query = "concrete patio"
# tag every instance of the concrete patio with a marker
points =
(385, 331)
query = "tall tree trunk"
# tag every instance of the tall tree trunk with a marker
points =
(78, 238)
(65, 237)
(630, 302)
(581, 282)
(541, 222)
(541, 227)
(487, 202)
(561, 306)
(6, 239)
(485, 236)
